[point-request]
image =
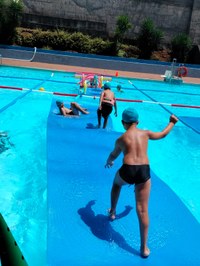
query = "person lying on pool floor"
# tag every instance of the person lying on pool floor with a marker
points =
(73, 110)
(135, 169)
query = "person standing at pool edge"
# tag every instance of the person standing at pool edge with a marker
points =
(135, 169)
(106, 103)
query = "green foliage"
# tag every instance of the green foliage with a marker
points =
(39, 38)
(181, 46)
(79, 42)
(123, 25)
(64, 41)
(101, 47)
(25, 39)
(130, 51)
(42, 38)
(60, 40)
(54, 39)
(10, 15)
(149, 39)
(2, 14)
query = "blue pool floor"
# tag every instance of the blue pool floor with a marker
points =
(79, 231)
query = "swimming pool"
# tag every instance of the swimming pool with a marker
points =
(175, 160)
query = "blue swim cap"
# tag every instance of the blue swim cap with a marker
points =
(107, 85)
(130, 115)
(59, 103)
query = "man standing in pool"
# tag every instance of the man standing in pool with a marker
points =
(106, 103)
(135, 169)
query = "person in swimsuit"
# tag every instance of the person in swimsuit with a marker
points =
(119, 88)
(94, 82)
(135, 169)
(106, 104)
(73, 110)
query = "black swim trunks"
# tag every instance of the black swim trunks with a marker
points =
(135, 174)
(71, 113)
(106, 109)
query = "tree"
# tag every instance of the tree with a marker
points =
(10, 12)
(181, 46)
(149, 39)
(122, 26)
(2, 14)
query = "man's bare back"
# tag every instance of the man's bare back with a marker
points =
(133, 144)
(107, 96)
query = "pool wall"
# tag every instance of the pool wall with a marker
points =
(93, 61)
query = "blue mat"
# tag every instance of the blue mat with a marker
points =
(79, 231)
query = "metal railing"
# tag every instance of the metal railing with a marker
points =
(13, 58)
(34, 53)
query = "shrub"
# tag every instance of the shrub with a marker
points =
(149, 39)
(79, 42)
(101, 47)
(122, 26)
(58, 40)
(130, 51)
(180, 46)
(61, 40)
(24, 38)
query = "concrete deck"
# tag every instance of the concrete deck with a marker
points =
(71, 68)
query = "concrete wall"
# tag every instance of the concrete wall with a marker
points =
(99, 16)
(195, 22)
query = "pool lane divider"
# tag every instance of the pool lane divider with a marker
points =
(97, 97)
(11, 88)
(65, 94)
(24, 94)
(160, 103)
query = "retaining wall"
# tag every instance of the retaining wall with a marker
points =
(99, 17)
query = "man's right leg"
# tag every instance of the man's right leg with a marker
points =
(115, 192)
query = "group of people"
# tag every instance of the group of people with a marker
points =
(135, 169)
(106, 104)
